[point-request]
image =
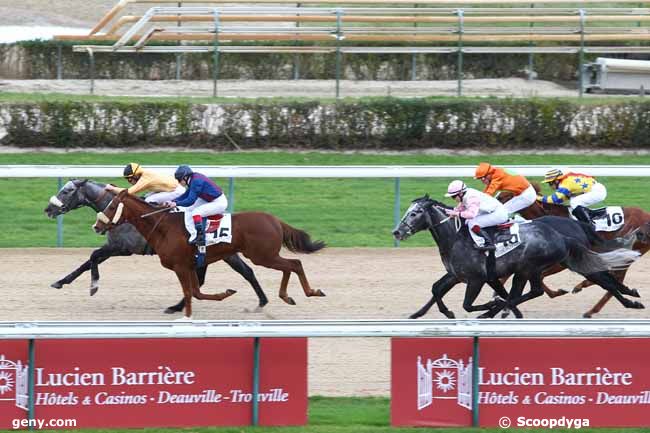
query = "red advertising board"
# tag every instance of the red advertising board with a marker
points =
(523, 382)
(162, 382)
(602, 382)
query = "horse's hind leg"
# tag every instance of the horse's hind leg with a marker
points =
(548, 272)
(287, 266)
(239, 266)
(604, 281)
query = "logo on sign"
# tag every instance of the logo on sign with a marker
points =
(13, 382)
(444, 379)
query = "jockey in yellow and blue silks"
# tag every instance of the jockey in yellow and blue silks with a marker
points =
(579, 189)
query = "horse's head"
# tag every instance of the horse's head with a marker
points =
(70, 197)
(423, 213)
(113, 214)
(643, 233)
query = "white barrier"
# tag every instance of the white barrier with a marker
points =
(397, 171)
(328, 328)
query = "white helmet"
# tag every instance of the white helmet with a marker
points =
(456, 187)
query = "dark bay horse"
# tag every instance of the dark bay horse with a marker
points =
(257, 235)
(124, 240)
(543, 247)
(634, 218)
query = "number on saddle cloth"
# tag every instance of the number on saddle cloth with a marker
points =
(607, 219)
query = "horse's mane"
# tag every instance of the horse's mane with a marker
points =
(537, 186)
(432, 201)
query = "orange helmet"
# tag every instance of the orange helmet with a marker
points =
(482, 170)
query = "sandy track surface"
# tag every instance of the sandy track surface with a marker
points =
(360, 283)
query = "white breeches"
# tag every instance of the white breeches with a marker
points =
(597, 194)
(163, 196)
(521, 201)
(499, 216)
(204, 209)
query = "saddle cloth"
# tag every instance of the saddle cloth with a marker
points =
(607, 219)
(505, 237)
(218, 229)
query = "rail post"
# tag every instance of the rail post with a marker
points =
(215, 54)
(461, 30)
(581, 54)
(475, 384)
(31, 381)
(231, 194)
(338, 51)
(396, 207)
(59, 220)
(91, 56)
(59, 62)
(256, 380)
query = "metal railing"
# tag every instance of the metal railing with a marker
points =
(231, 172)
(337, 25)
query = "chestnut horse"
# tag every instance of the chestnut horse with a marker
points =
(634, 218)
(257, 235)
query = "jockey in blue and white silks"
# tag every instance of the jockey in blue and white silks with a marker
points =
(202, 198)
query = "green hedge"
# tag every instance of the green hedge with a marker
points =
(377, 123)
(38, 61)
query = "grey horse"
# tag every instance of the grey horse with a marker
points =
(542, 246)
(123, 240)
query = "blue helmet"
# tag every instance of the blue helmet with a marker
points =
(182, 172)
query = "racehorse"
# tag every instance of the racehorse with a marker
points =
(634, 218)
(124, 240)
(257, 235)
(542, 247)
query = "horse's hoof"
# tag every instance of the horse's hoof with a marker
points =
(93, 290)
(485, 315)
(230, 292)
(289, 300)
(562, 292)
(506, 314)
(635, 293)
(415, 316)
(576, 290)
(637, 305)
(172, 310)
(319, 292)
(587, 315)
(56, 285)
(450, 315)
(518, 314)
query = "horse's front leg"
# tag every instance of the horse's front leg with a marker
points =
(189, 281)
(438, 290)
(100, 256)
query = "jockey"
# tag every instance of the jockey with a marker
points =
(479, 209)
(202, 198)
(497, 179)
(163, 187)
(580, 189)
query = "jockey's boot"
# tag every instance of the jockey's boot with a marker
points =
(488, 245)
(582, 214)
(199, 241)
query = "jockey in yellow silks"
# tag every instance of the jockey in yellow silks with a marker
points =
(580, 190)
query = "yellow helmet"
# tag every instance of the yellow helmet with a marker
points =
(482, 170)
(132, 169)
(552, 175)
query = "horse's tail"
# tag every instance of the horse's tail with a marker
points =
(603, 244)
(584, 261)
(299, 241)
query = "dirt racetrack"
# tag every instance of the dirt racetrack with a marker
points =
(360, 283)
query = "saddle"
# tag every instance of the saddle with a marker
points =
(595, 214)
(212, 223)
